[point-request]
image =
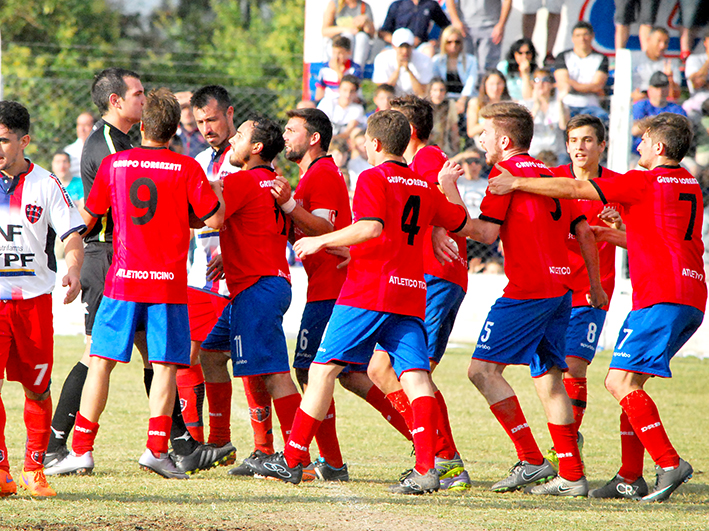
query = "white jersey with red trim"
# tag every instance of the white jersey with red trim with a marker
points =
(34, 207)
(216, 165)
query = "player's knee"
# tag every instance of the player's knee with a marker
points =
(302, 376)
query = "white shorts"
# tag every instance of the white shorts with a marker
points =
(530, 7)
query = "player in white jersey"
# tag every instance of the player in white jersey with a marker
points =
(34, 208)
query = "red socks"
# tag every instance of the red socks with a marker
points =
(38, 419)
(297, 448)
(84, 435)
(259, 401)
(577, 389)
(632, 451)
(446, 445)
(159, 434)
(190, 387)
(379, 401)
(4, 462)
(567, 450)
(509, 413)
(425, 413)
(401, 403)
(219, 398)
(645, 420)
(285, 407)
(326, 437)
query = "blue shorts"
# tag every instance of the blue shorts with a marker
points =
(650, 337)
(256, 339)
(526, 332)
(167, 330)
(352, 333)
(218, 338)
(312, 325)
(443, 300)
(584, 331)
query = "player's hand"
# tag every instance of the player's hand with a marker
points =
(217, 186)
(597, 298)
(611, 217)
(450, 173)
(342, 251)
(498, 32)
(281, 189)
(503, 183)
(600, 232)
(444, 247)
(307, 246)
(72, 280)
(458, 24)
(215, 268)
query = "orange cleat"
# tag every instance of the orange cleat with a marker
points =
(8, 487)
(35, 482)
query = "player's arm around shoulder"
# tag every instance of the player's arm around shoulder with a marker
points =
(310, 223)
(589, 251)
(562, 188)
(359, 232)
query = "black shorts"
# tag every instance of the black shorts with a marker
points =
(97, 260)
(642, 12)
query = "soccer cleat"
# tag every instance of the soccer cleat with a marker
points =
(245, 468)
(309, 473)
(80, 465)
(554, 460)
(204, 457)
(325, 472)
(35, 482)
(163, 465)
(413, 482)
(8, 487)
(448, 468)
(561, 487)
(276, 466)
(619, 488)
(53, 458)
(457, 483)
(668, 480)
(523, 474)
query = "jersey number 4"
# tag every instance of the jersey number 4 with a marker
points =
(410, 218)
(150, 204)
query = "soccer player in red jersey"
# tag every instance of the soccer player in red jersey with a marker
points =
(34, 207)
(149, 190)
(383, 299)
(527, 325)
(253, 244)
(445, 289)
(663, 220)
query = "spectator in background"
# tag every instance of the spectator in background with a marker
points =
(415, 15)
(343, 112)
(550, 117)
(192, 140)
(340, 152)
(521, 62)
(403, 67)
(61, 168)
(656, 103)
(459, 70)
(646, 63)
(445, 119)
(352, 19)
(493, 89)
(383, 94)
(84, 126)
(529, 20)
(644, 12)
(483, 26)
(701, 138)
(697, 72)
(306, 104)
(548, 157)
(358, 157)
(581, 74)
(327, 83)
(693, 15)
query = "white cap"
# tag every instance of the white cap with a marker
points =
(402, 36)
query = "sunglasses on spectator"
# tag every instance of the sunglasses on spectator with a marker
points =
(548, 79)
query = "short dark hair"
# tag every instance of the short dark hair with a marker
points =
(582, 24)
(202, 96)
(418, 112)
(512, 120)
(161, 115)
(342, 42)
(15, 117)
(269, 133)
(62, 153)
(392, 129)
(672, 130)
(316, 121)
(655, 29)
(107, 82)
(349, 78)
(385, 87)
(581, 120)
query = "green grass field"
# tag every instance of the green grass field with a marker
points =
(119, 496)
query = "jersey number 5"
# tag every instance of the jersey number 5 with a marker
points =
(150, 204)
(410, 217)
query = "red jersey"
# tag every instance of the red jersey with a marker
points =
(663, 218)
(427, 162)
(255, 233)
(580, 284)
(534, 230)
(149, 191)
(322, 191)
(386, 273)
